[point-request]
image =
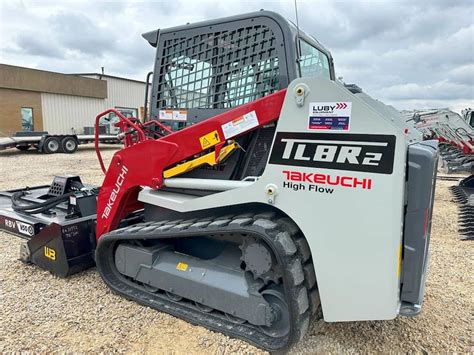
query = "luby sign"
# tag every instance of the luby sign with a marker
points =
(329, 116)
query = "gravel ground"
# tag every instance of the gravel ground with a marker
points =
(40, 312)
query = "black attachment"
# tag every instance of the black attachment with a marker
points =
(62, 249)
(463, 195)
(57, 221)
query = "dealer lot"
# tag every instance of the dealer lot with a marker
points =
(41, 312)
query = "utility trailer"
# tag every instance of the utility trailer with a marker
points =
(52, 143)
(281, 193)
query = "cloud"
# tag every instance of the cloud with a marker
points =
(462, 75)
(404, 52)
(443, 90)
(29, 44)
(77, 32)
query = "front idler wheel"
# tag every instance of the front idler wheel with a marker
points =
(280, 324)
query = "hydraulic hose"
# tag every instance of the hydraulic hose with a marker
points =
(36, 207)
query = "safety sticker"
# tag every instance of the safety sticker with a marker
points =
(173, 115)
(240, 125)
(329, 116)
(209, 140)
(182, 266)
(165, 115)
(180, 115)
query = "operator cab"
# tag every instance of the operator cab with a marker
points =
(209, 67)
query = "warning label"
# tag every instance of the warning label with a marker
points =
(182, 266)
(240, 125)
(180, 115)
(329, 116)
(209, 140)
(173, 115)
(166, 115)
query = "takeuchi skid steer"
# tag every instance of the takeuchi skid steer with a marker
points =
(277, 191)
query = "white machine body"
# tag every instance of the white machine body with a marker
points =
(337, 168)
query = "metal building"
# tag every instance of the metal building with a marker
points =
(38, 100)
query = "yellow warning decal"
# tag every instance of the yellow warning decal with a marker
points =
(209, 140)
(50, 253)
(400, 251)
(182, 266)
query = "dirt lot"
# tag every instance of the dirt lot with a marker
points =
(40, 312)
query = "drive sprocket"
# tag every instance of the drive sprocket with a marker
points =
(259, 261)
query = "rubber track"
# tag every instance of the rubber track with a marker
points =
(282, 235)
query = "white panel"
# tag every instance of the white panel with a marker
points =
(69, 114)
(125, 93)
(354, 233)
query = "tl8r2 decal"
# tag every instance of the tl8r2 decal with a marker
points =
(355, 152)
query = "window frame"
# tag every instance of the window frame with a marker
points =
(298, 55)
(32, 118)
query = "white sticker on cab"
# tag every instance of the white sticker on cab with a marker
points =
(165, 114)
(181, 115)
(173, 115)
(240, 125)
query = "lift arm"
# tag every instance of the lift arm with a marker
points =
(144, 160)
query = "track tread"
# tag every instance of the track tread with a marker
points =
(314, 301)
(286, 240)
(309, 275)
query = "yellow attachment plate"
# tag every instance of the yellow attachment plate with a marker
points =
(209, 140)
(208, 159)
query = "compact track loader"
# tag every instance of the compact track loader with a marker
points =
(261, 190)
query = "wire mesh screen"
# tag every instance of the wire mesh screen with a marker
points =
(219, 69)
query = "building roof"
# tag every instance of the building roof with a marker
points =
(107, 76)
(28, 79)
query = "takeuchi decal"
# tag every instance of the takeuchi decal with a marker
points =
(328, 180)
(115, 192)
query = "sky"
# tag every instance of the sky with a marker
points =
(412, 54)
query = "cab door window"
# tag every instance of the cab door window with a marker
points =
(312, 62)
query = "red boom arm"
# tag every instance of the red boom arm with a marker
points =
(142, 162)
